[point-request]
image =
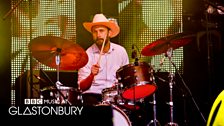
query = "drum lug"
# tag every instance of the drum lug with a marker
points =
(51, 94)
(121, 85)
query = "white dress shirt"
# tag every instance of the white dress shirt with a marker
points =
(109, 63)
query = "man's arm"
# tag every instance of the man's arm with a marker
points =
(86, 83)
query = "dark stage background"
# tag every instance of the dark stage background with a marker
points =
(5, 68)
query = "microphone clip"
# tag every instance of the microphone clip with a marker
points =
(136, 61)
(134, 55)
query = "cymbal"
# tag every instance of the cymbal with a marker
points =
(46, 48)
(162, 45)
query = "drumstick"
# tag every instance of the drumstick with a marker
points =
(101, 51)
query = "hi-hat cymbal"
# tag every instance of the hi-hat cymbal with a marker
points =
(46, 48)
(162, 45)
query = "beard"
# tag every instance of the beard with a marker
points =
(99, 41)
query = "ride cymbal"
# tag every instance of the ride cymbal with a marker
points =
(46, 48)
(162, 45)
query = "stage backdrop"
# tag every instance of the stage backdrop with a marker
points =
(141, 21)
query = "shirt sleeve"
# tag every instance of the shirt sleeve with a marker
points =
(84, 71)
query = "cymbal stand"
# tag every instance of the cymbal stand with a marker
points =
(118, 98)
(189, 92)
(58, 83)
(57, 60)
(154, 122)
(171, 82)
(79, 97)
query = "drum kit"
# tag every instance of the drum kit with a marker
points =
(135, 81)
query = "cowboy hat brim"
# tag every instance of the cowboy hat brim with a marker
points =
(115, 29)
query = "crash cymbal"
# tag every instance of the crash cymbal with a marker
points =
(162, 45)
(46, 48)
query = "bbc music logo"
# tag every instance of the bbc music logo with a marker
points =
(33, 101)
(40, 101)
(37, 106)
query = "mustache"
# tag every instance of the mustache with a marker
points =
(99, 39)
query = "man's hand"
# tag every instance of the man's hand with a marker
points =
(95, 69)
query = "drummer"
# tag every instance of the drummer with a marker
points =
(105, 58)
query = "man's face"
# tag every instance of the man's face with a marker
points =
(100, 33)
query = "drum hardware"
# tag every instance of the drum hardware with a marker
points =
(154, 122)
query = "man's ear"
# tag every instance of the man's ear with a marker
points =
(109, 33)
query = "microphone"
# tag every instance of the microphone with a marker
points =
(40, 79)
(134, 55)
(134, 52)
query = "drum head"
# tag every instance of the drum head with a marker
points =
(138, 92)
(119, 117)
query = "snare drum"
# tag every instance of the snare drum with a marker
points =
(48, 93)
(109, 95)
(137, 80)
(112, 96)
(70, 95)
(51, 95)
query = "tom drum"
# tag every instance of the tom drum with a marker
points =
(137, 80)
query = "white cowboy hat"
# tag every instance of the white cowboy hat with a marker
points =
(100, 19)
